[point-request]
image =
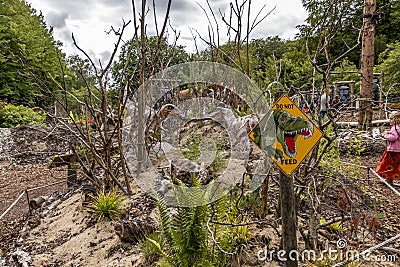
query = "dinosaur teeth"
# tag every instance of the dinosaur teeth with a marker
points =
(304, 132)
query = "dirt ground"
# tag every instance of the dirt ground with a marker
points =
(68, 236)
(24, 154)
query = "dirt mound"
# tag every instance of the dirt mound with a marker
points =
(69, 237)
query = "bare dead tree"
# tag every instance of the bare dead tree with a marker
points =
(101, 138)
(325, 28)
(239, 26)
(322, 31)
(98, 128)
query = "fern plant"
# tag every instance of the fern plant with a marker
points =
(190, 238)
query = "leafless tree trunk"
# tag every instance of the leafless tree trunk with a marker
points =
(367, 65)
(141, 97)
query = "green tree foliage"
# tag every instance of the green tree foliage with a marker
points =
(339, 22)
(82, 72)
(27, 49)
(271, 59)
(387, 21)
(79, 80)
(158, 56)
(386, 18)
(279, 60)
(296, 69)
(332, 25)
(390, 64)
(266, 53)
(387, 24)
(345, 71)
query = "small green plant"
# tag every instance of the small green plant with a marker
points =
(107, 206)
(83, 152)
(356, 148)
(218, 163)
(192, 149)
(334, 227)
(185, 233)
(151, 251)
(354, 153)
(330, 161)
(243, 112)
(11, 116)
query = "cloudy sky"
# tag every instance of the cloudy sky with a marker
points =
(89, 20)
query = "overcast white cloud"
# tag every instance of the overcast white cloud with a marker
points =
(89, 20)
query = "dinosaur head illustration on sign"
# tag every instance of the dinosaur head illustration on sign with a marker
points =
(289, 128)
(295, 135)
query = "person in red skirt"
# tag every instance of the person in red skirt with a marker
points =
(389, 164)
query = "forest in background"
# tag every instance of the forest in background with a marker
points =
(33, 69)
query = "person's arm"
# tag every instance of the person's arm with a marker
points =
(391, 135)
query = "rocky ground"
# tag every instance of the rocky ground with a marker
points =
(62, 233)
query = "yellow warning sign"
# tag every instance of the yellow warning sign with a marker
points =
(295, 135)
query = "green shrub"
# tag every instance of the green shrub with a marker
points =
(11, 116)
(107, 206)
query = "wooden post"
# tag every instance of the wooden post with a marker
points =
(72, 174)
(353, 104)
(264, 197)
(335, 90)
(27, 198)
(288, 214)
(381, 89)
(367, 65)
(142, 94)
